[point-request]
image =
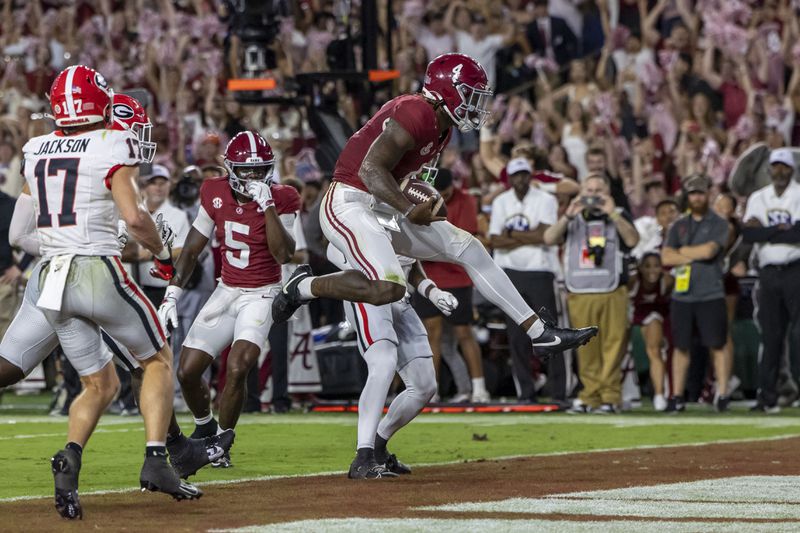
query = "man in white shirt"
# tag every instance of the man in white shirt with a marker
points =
(519, 219)
(155, 188)
(434, 36)
(482, 46)
(772, 219)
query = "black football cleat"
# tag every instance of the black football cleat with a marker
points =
(368, 470)
(288, 300)
(392, 464)
(555, 340)
(158, 476)
(66, 466)
(193, 454)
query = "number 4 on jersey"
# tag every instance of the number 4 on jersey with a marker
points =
(50, 168)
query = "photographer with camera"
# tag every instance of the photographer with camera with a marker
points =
(597, 236)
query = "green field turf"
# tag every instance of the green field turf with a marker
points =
(312, 443)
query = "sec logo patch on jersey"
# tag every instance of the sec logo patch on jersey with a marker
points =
(216, 202)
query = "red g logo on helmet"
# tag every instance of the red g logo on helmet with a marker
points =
(461, 84)
(130, 115)
(80, 95)
(248, 157)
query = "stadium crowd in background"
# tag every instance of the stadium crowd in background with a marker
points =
(645, 95)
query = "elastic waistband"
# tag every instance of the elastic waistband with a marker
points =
(350, 193)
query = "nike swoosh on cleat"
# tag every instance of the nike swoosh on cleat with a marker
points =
(214, 453)
(552, 343)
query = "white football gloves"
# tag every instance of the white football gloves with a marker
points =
(168, 310)
(261, 193)
(122, 233)
(165, 231)
(443, 300)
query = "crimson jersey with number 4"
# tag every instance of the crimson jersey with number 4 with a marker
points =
(417, 117)
(70, 182)
(242, 233)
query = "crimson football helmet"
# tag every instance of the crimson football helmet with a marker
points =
(248, 157)
(460, 83)
(80, 95)
(129, 115)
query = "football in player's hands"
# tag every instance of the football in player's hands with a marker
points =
(418, 191)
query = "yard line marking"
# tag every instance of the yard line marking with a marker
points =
(443, 463)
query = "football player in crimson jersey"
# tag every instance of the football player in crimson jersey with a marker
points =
(407, 133)
(83, 179)
(252, 219)
(30, 338)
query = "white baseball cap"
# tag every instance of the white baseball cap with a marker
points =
(782, 155)
(519, 164)
(158, 171)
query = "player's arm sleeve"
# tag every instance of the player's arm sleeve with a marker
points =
(203, 223)
(22, 229)
(287, 219)
(497, 220)
(299, 235)
(124, 153)
(287, 200)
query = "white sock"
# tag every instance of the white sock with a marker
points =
(478, 385)
(155, 443)
(204, 420)
(536, 329)
(381, 360)
(304, 288)
(220, 429)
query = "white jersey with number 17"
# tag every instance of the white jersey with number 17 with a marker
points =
(70, 182)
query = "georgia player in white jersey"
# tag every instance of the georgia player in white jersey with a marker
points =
(82, 179)
(30, 338)
(396, 323)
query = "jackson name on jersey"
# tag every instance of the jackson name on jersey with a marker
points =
(70, 182)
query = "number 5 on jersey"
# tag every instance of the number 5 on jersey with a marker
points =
(243, 259)
(54, 176)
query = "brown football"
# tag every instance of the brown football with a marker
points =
(418, 191)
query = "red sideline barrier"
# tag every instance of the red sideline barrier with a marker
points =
(449, 409)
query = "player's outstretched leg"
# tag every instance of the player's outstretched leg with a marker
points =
(419, 378)
(494, 285)
(349, 285)
(381, 358)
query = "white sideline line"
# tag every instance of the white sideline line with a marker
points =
(350, 419)
(444, 463)
(484, 525)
